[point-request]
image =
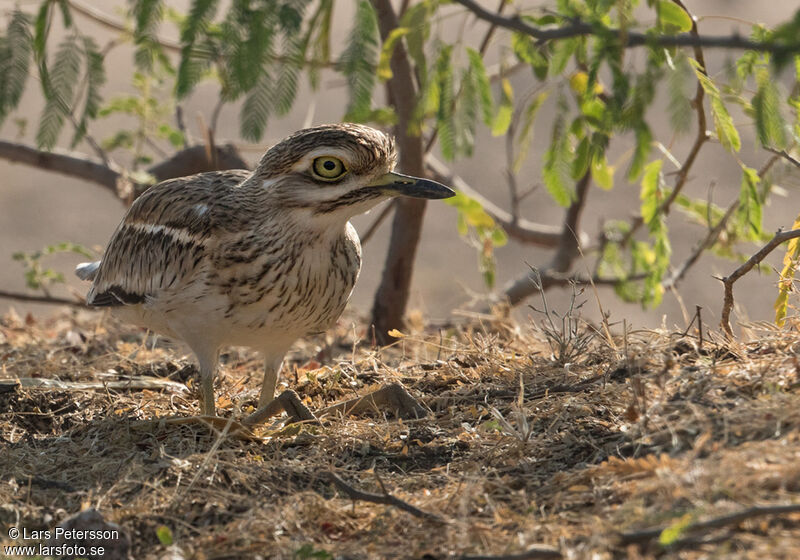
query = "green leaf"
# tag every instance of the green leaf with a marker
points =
(502, 120)
(285, 89)
(444, 113)
(41, 29)
(562, 51)
(525, 137)
(671, 15)
(556, 170)
(770, 124)
(256, 109)
(385, 59)
(417, 20)
(196, 56)
(644, 141)
(59, 85)
(749, 212)
(484, 87)
(723, 123)
(583, 156)
(94, 79)
(602, 172)
(359, 59)
(164, 535)
(679, 80)
(16, 59)
(651, 193)
(528, 51)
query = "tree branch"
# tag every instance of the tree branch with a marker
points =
(50, 300)
(631, 38)
(640, 537)
(185, 162)
(391, 297)
(529, 554)
(728, 281)
(700, 248)
(67, 163)
(521, 230)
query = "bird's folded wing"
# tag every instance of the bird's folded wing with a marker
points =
(163, 239)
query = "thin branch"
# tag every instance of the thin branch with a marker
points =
(49, 300)
(373, 227)
(631, 38)
(713, 233)
(640, 537)
(785, 155)
(523, 230)
(728, 281)
(492, 29)
(385, 499)
(700, 248)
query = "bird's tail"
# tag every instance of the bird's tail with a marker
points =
(87, 270)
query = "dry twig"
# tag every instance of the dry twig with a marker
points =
(385, 499)
(728, 281)
(639, 537)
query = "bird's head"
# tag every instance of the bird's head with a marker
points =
(338, 171)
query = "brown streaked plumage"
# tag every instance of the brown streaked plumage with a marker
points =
(254, 259)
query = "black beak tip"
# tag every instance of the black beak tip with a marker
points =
(425, 188)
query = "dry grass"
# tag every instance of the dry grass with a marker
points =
(518, 451)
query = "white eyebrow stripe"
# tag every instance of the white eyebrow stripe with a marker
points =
(178, 234)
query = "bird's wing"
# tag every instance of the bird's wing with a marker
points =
(163, 237)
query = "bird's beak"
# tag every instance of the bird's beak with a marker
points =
(405, 185)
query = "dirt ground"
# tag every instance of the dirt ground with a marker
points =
(642, 444)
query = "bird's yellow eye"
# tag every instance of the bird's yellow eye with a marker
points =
(328, 168)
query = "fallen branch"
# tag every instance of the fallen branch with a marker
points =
(49, 300)
(640, 537)
(535, 552)
(628, 38)
(385, 499)
(728, 281)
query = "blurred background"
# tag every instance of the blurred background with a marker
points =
(39, 208)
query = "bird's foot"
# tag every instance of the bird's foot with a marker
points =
(227, 426)
(394, 396)
(287, 401)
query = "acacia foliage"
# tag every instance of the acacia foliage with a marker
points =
(257, 51)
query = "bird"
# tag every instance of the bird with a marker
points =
(252, 258)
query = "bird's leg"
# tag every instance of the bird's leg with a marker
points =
(208, 367)
(393, 396)
(271, 369)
